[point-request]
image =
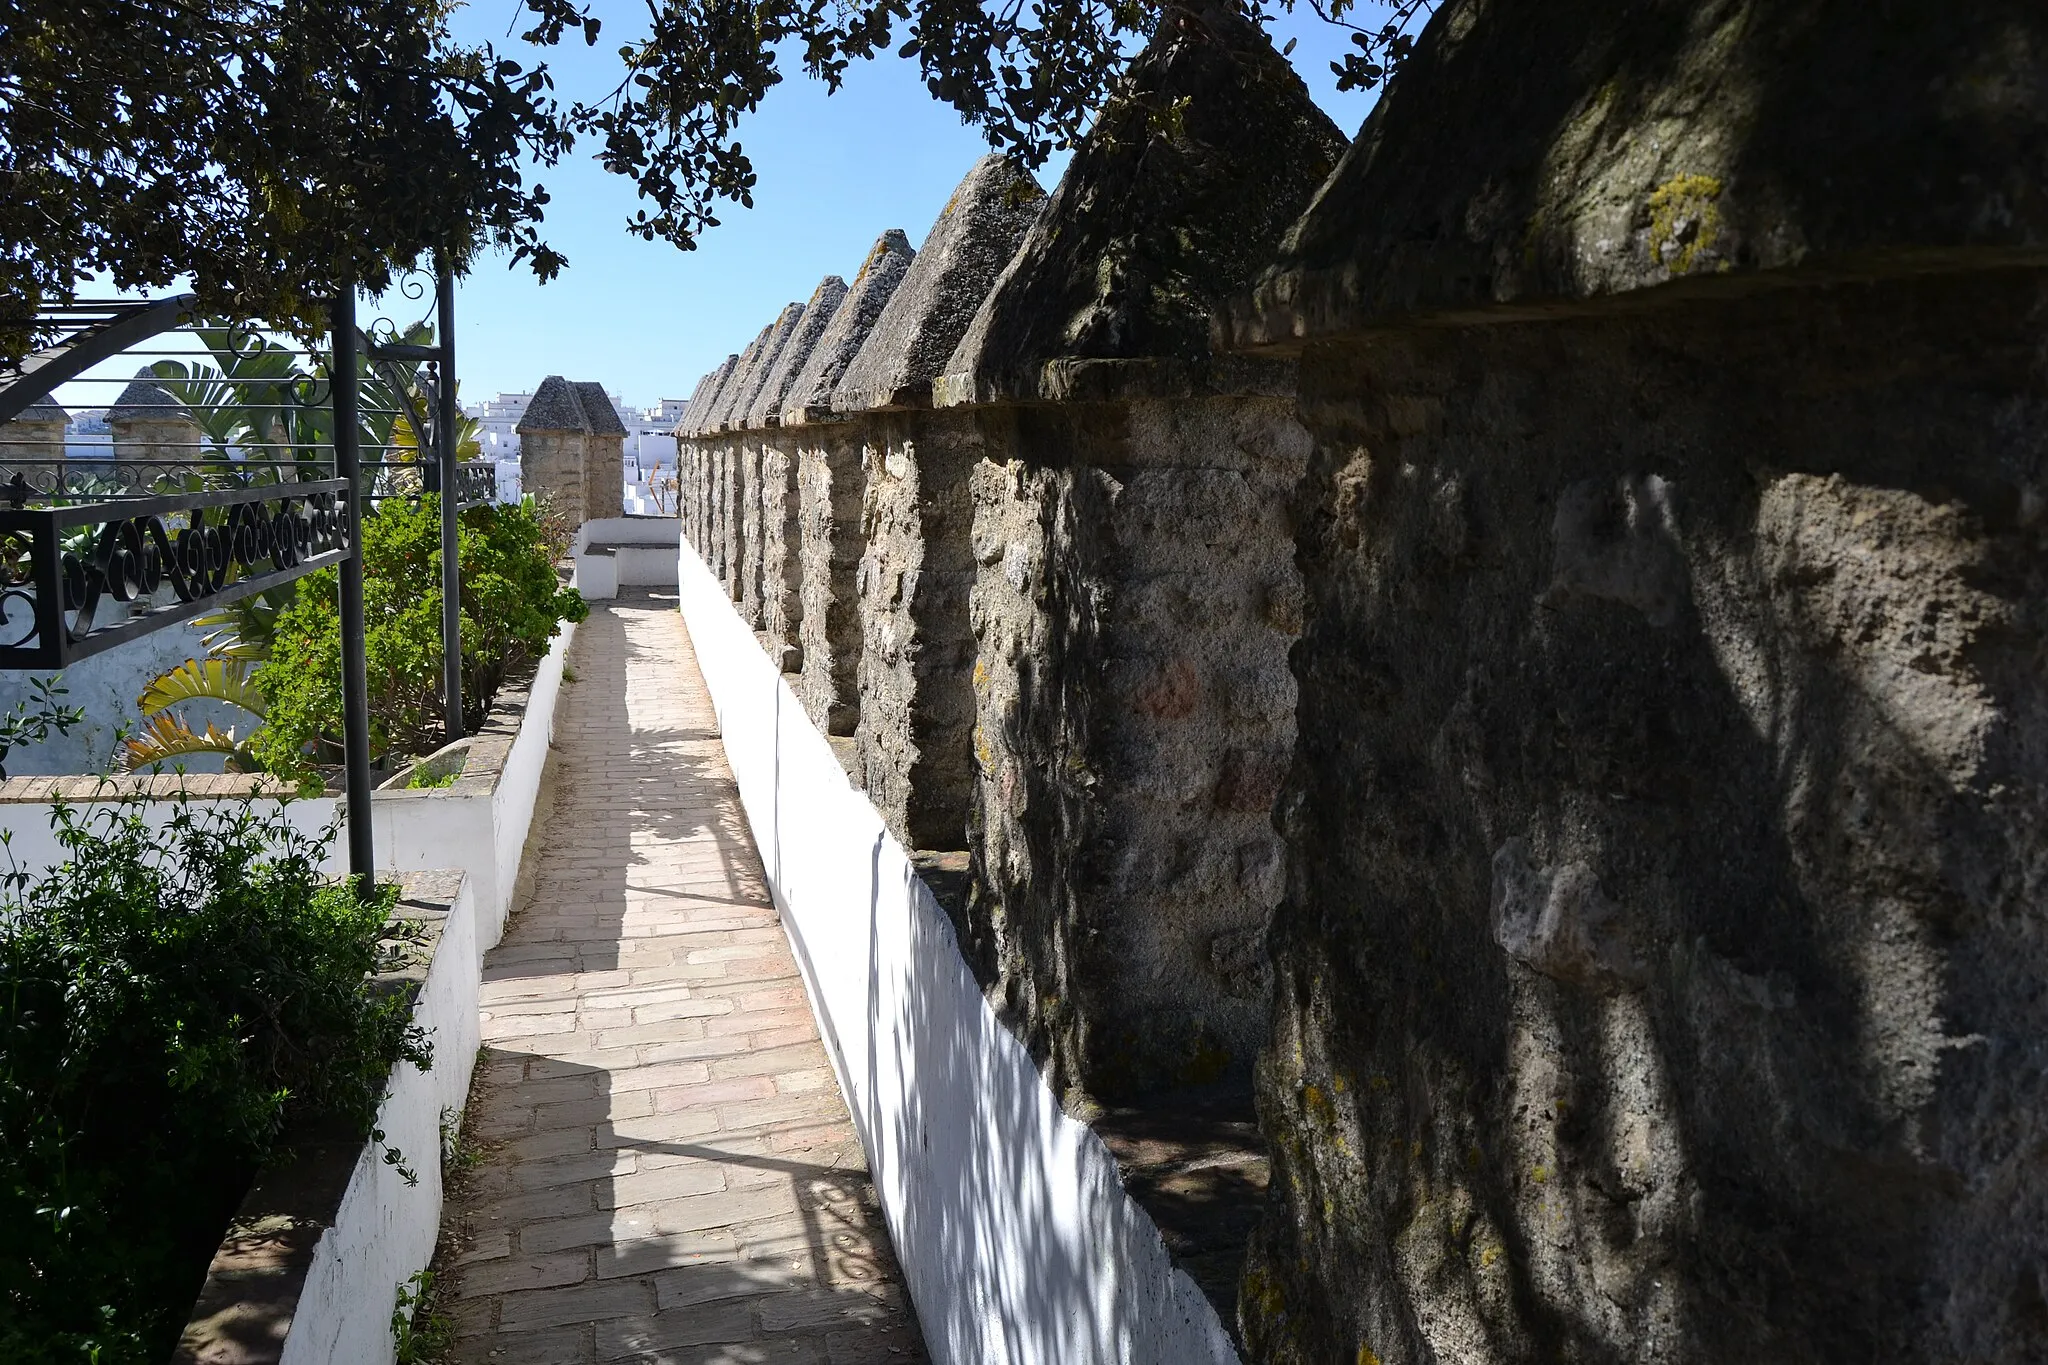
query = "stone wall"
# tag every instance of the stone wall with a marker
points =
(1133, 607)
(1013, 690)
(572, 448)
(1659, 972)
(37, 434)
(917, 657)
(782, 607)
(552, 462)
(830, 490)
(1656, 946)
(1531, 627)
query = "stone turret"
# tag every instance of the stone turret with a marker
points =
(572, 446)
(37, 434)
(149, 424)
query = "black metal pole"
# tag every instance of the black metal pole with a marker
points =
(445, 421)
(355, 682)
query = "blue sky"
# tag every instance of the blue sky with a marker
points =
(646, 319)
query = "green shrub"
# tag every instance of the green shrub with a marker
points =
(174, 1001)
(512, 605)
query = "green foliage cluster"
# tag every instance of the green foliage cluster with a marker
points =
(267, 149)
(34, 719)
(175, 1001)
(512, 605)
(273, 149)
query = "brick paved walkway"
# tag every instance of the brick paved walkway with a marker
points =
(673, 1174)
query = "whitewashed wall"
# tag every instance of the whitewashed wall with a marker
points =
(1018, 1243)
(639, 552)
(479, 825)
(385, 1229)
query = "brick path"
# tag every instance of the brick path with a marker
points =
(673, 1176)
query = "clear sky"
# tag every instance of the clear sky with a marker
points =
(834, 172)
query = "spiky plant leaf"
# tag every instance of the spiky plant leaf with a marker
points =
(217, 679)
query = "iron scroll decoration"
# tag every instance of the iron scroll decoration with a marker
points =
(476, 483)
(209, 549)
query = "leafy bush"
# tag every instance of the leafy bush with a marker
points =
(173, 1001)
(512, 605)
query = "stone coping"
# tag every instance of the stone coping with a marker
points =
(484, 753)
(245, 1310)
(77, 790)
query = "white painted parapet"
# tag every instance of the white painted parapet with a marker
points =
(1018, 1243)
(625, 552)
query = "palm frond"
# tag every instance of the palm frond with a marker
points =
(167, 737)
(217, 679)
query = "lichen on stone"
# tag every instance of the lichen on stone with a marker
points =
(1685, 224)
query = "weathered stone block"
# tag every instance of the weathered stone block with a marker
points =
(782, 608)
(1133, 717)
(1659, 974)
(917, 658)
(830, 486)
(752, 539)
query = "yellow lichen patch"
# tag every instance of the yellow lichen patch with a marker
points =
(1318, 1105)
(1260, 1293)
(1487, 1256)
(1685, 223)
(1366, 1355)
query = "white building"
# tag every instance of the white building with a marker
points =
(498, 423)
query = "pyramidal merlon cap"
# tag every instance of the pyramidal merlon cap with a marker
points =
(560, 405)
(1157, 220)
(974, 239)
(682, 426)
(741, 381)
(824, 302)
(810, 393)
(145, 400)
(714, 385)
(739, 417)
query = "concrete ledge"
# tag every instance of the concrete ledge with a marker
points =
(309, 1271)
(1017, 1240)
(43, 791)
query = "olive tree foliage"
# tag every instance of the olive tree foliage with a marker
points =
(1028, 73)
(265, 149)
(269, 150)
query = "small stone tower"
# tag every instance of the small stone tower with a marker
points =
(37, 434)
(149, 424)
(572, 445)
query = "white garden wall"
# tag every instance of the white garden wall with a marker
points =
(625, 552)
(478, 825)
(1018, 1243)
(385, 1229)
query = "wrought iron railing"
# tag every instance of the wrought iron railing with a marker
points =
(61, 566)
(23, 482)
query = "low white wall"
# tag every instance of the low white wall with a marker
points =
(478, 825)
(1017, 1241)
(385, 1229)
(642, 553)
(518, 789)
